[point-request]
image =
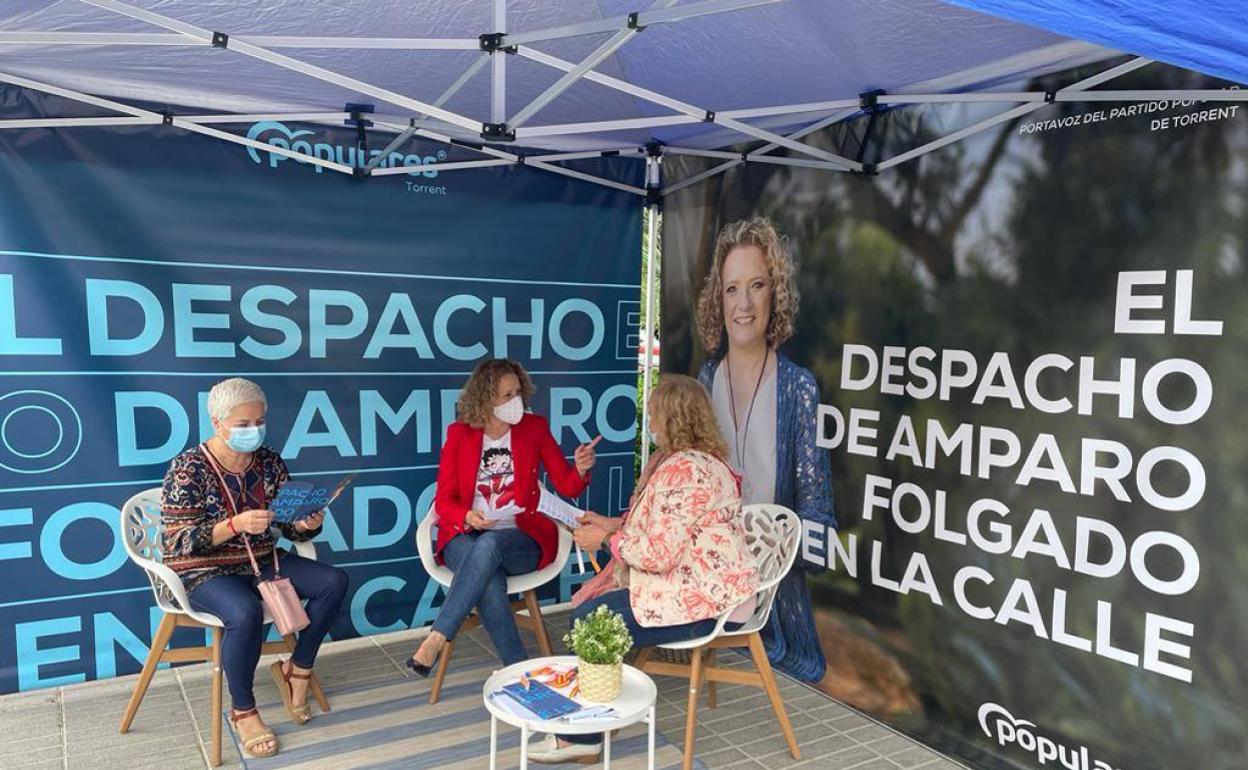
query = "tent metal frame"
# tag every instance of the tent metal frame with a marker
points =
(434, 121)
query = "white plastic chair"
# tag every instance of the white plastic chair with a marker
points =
(773, 534)
(141, 533)
(526, 585)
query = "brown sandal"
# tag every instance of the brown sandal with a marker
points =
(249, 744)
(302, 713)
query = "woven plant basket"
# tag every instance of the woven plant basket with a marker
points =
(599, 682)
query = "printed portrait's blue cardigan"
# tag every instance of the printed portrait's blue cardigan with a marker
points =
(803, 485)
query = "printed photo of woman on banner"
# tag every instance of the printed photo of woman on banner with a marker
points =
(766, 408)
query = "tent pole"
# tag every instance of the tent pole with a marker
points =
(286, 62)
(498, 62)
(570, 77)
(691, 114)
(17, 37)
(156, 117)
(1019, 111)
(754, 155)
(602, 126)
(653, 185)
(641, 19)
(411, 130)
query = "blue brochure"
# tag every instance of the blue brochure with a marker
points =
(541, 700)
(298, 500)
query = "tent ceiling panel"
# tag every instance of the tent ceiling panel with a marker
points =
(788, 52)
(735, 55)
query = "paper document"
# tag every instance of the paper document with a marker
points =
(298, 500)
(557, 508)
(507, 511)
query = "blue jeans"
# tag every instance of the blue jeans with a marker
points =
(481, 561)
(235, 600)
(617, 601)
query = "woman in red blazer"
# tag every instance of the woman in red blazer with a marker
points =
(486, 504)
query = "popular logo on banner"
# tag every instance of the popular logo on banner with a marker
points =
(1007, 730)
(278, 134)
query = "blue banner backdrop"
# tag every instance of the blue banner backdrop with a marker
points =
(138, 266)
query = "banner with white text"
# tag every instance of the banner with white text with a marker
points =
(140, 265)
(1030, 351)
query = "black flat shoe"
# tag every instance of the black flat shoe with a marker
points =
(419, 669)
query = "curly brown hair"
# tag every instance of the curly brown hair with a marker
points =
(685, 420)
(759, 232)
(476, 402)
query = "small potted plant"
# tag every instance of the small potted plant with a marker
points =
(600, 641)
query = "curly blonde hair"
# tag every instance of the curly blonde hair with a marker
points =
(476, 402)
(759, 232)
(684, 417)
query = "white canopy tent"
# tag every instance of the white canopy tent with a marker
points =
(567, 80)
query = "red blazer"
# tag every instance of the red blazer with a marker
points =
(531, 442)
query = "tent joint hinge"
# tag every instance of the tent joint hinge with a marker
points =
(634, 21)
(499, 132)
(1050, 97)
(654, 197)
(492, 42)
(745, 157)
(868, 169)
(220, 40)
(166, 118)
(361, 173)
(869, 101)
(654, 149)
(709, 117)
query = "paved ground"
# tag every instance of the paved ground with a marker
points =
(76, 727)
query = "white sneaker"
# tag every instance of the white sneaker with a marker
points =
(545, 750)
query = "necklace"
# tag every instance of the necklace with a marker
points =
(737, 438)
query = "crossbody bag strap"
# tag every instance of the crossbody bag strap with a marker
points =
(232, 505)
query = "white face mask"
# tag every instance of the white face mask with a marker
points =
(510, 412)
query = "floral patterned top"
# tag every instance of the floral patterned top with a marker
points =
(684, 544)
(192, 503)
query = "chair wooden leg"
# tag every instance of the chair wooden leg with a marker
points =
(444, 662)
(712, 692)
(161, 638)
(314, 684)
(773, 693)
(215, 758)
(643, 657)
(539, 626)
(691, 718)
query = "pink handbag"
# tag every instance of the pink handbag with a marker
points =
(279, 597)
(278, 594)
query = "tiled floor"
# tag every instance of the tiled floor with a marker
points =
(76, 727)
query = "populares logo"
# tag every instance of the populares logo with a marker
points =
(277, 134)
(1001, 726)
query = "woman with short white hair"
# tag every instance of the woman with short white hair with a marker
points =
(215, 504)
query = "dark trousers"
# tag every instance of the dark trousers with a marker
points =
(236, 601)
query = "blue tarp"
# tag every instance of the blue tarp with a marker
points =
(1208, 36)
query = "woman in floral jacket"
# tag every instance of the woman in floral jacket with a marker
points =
(681, 559)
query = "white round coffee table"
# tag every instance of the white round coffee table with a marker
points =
(635, 704)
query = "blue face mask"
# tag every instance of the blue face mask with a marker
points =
(245, 438)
